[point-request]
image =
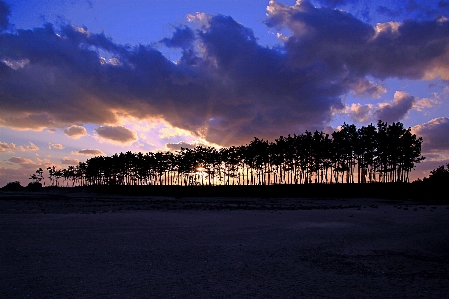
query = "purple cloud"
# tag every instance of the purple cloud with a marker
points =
(20, 160)
(360, 113)
(401, 105)
(435, 134)
(364, 88)
(75, 131)
(342, 42)
(178, 146)
(119, 134)
(90, 152)
(68, 161)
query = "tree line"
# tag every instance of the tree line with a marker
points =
(382, 153)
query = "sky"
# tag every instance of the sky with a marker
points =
(80, 78)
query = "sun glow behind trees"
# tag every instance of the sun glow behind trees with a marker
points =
(386, 153)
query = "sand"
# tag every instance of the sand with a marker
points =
(96, 246)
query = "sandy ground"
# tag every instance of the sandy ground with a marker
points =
(92, 246)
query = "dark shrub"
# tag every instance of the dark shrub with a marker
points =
(13, 186)
(34, 186)
(439, 175)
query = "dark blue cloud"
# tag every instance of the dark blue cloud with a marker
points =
(183, 37)
(343, 43)
(395, 111)
(435, 134)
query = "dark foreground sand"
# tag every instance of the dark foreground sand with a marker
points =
(89, 246)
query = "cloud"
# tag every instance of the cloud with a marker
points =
(425, 103)
(11, 147)
(178, 146)
(360, 113)
(119, 134)
(55, 145)
(16, 64)
(183, 37)
(226, 87)
(364, 88)
(168, 132)
(7, 147)
(20, 160)
(411, 49)
(31, 147)
(90, 152)
(435, 134)
(68, 161)
(388, 111)
(401, 105)
(75, 131)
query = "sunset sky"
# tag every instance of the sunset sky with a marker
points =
(80, 78)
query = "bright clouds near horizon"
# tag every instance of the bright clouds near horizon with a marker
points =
(173, 147)
(333, 59)
(69, 161)
(167, 132)
(89, 152)
(178, 146)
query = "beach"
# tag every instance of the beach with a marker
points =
(81, 245)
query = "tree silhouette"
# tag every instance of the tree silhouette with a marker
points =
(345, 143)
(389, 152)
(38, 176)
(366, 152)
